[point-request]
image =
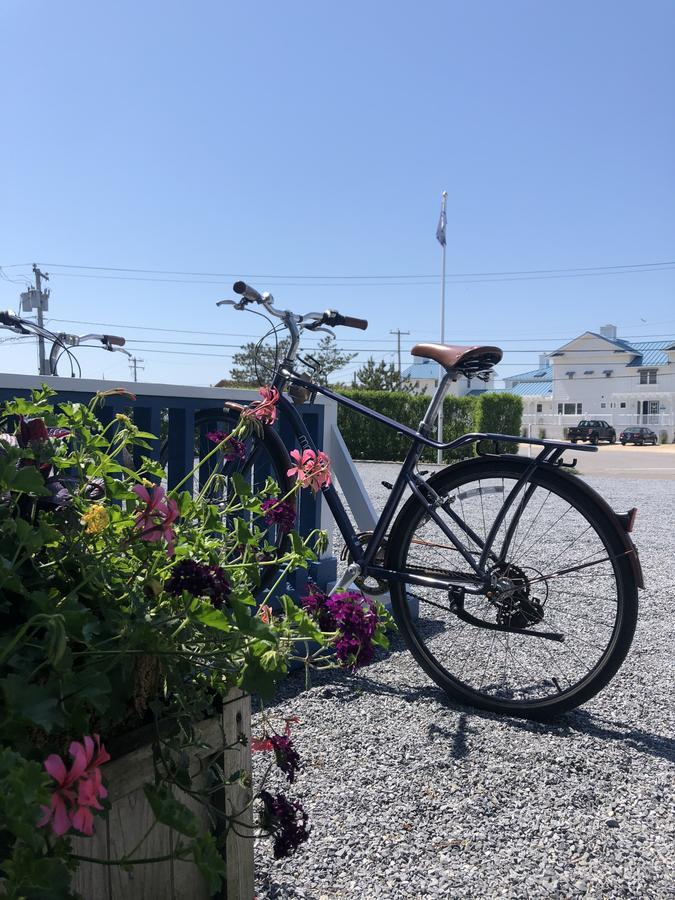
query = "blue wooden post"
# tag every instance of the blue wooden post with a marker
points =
(148, 418)
(205, 445)
(181, 447)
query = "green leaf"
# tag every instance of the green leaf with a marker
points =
(31, 702)
(214, 618)
(23, 790)
(170, 811)
(209, 861)
(30, 481)
(240, 484)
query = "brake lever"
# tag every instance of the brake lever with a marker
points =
(327, 330)
(226, 303)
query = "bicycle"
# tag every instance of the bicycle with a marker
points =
(513, 583)
(61, 341)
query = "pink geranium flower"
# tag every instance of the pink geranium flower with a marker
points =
(311, 470)
(156, 520)
(78, 790)
(265, 410)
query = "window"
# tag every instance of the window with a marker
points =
(603, 406)
(539, 407)
(569, 374)
(622, 405)
(647, 376)
(578, 409)
(569, 409)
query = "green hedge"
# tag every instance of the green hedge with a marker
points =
(502, 413)
(367, 439)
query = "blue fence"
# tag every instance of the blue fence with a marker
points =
(188, 413)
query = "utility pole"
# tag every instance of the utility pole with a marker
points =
(41, 301)
(133, 364)
(398, 333)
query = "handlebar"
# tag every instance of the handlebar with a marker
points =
(113, 339)
(311, 321)
(332, 317)
(246, 291)
(60, 342)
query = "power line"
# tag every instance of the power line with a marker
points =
(548, 271)
(392, 283)
(351, 340)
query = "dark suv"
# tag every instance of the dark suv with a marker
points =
(593, 430)
(638, 435)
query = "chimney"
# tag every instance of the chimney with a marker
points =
(608, 331)
(543, 360)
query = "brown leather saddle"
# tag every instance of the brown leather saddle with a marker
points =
(467, 360)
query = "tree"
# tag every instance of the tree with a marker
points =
(382, 377)
(327, 356)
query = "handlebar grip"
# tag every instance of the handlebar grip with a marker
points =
(114, 339)
(351, 322)
(249, 293)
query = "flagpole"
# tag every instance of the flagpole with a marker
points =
(440, 233)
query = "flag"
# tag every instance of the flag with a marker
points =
(440, 231)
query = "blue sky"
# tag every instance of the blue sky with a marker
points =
(292, 140)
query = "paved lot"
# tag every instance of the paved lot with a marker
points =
(626, 462)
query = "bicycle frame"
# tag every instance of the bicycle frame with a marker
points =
(364, 556)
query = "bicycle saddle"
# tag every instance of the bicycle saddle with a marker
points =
(472, 359)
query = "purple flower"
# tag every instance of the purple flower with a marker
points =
(286, 756)
(279, 512)
(234, 449)
(287, 820)
(200, 580)
(354, 618)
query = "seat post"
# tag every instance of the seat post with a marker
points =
(435, 404)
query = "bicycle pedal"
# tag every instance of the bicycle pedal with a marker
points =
(387, 485)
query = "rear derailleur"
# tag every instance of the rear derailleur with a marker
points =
(506, 616)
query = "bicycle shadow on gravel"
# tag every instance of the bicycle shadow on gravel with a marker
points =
(579, 720)
(593, 725)
(336, 684)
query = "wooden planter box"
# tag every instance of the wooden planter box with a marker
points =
(131, 815)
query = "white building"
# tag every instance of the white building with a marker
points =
(600, 376)
(424, 373)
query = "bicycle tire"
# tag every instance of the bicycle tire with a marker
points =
(436, 641)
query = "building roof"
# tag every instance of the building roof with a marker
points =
(536, 375)
(621, 344)
(424, 369)
(645, 353)
(531, 389)
(651, 353)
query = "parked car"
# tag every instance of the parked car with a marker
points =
(593, 430)
(638, 435)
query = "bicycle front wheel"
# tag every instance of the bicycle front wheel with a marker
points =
(565, 572)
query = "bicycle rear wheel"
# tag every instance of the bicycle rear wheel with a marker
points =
(566, 572)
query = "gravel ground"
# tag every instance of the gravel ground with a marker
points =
(410, 795)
